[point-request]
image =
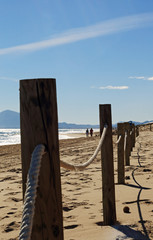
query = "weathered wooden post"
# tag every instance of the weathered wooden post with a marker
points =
(39, 125)
(133, 135)
(109, 207)
(150, 127)
(137, 131)
(128, 148)
(121, 165)
(130, 138)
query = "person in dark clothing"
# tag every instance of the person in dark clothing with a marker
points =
(87, 132)
(91, 132)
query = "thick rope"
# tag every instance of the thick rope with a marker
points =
(86, 164)
(118, 140)
(30, 194)
(125, 139)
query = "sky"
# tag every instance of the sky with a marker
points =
(100, 52)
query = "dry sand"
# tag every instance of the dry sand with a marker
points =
(82, 192)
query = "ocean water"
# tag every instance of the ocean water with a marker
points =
(9, 136)
(69, 133)
(12, 136)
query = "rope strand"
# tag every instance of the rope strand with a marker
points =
(118, 140)
(72, 167)
(30, 194)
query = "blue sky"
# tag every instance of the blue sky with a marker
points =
(100, 52)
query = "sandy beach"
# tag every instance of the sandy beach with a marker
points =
(82, 192)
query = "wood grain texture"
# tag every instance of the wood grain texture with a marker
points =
(109, 208)
(39, 125)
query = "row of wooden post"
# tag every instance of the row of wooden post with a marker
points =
(124, 154)
(39, 125)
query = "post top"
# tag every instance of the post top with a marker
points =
(37, 79)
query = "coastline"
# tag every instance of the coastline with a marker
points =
(12, 136)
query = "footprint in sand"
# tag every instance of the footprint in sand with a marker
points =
(4, 217)
(16, 199)
(12, 226)
(2, 207)
(15, 170)
(11, 193)
(71, 226)
(20, 182)
(67, 209)
(7, 178)
(87, 207)
(11, 213)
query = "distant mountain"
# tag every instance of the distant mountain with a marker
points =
(136, 123)
(9, 119)
(64, 125)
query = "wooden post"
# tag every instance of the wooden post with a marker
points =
(130, 138)
(109, 208)
(121, 165)
(133, 135)
(39, 125)
(128, 149)
(137, 131)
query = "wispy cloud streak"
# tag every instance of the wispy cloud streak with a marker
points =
(137, 77)
(101, 29)
(115, 87)
(142, 78)
(8, 79)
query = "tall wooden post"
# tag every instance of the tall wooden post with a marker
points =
(109, 208)
(39, 125)
(121, 165)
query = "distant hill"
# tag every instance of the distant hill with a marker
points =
(11, 119)
(64, 125)
(136, 123)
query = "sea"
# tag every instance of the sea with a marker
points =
(12, 136)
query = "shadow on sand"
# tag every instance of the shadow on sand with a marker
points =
(129, 233)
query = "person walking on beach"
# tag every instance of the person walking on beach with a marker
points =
(91, 132)
(87, 132)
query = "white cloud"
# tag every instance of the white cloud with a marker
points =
(101, 29)
(150, 78)
(115, 87)
(137, 77)
(9, 79)
(143, 78)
